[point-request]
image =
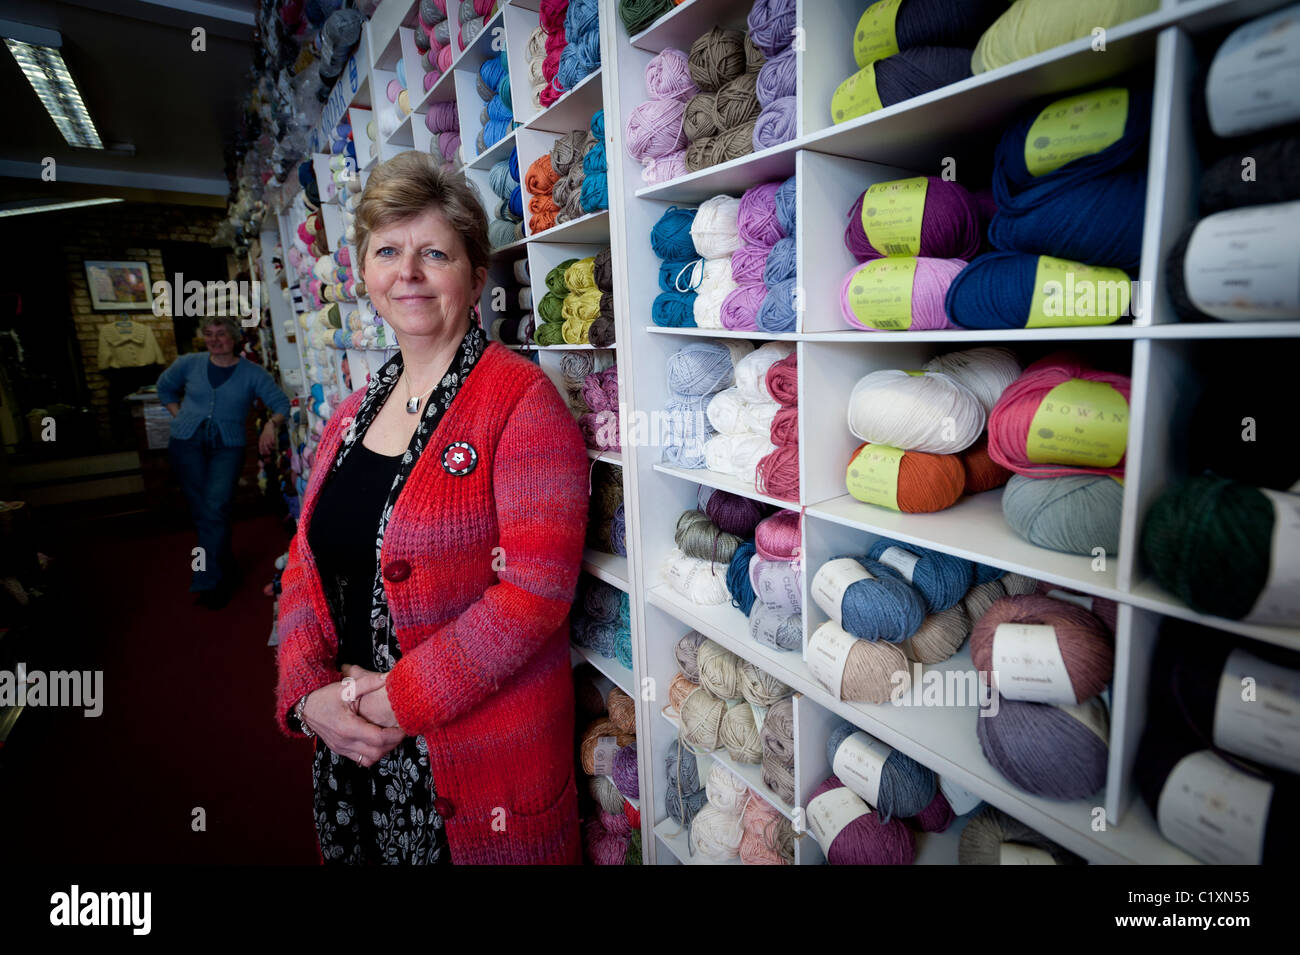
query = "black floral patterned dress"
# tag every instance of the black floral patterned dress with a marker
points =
(383, 814)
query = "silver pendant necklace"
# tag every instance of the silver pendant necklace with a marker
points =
(413, 401)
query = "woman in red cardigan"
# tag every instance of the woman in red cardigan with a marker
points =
(423, 615)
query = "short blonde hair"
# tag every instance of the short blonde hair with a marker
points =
(410, 184)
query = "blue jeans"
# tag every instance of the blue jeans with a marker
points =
(208, 472)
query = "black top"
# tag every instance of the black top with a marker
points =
(342, 537)
(218, 375)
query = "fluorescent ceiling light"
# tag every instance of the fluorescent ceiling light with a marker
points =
(45, 70)
(55, 206)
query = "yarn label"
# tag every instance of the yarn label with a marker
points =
(962, 800)
(776, 584)
(1075, 127)
(891, 217)
(903, 561)
(875, 37)
(873, 475)
(1279, 601)
(1070, 293)
(1257, 713)
(1244, 264)
(1027, 664)
(828, 651)
(831, 582)
(880, 294)
(1255, 76)
(1081, 423)
(831, 812)
(1214, 811)
(602, 757)
(1016, 853)
(1081, 600)
(856, 96)
(859, 763)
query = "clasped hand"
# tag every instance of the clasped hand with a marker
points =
(353, 717)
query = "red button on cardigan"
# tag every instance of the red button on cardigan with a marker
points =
(444, 807)
(397, 571)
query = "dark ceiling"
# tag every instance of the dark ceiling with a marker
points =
(144, 85)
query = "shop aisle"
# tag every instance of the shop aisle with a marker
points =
(187, 713)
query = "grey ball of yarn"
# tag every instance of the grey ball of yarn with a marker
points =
(779, 777)
(606, 794)
(442, 32)
(697, 536)
(737, 101)
(485, 92)
(719, 670)
(686, 651)
(754, 57)
(684, 808)
(1073, 514)
(987, 830)
(780, 632)
(568, 149)
(760, 687)
(716, 57)
(777, 732)
(681, 769)
(467, 12)
(430, 13)
(700, 120)
(470, 29)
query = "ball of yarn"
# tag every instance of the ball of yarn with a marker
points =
(785, 426)
(991, 828)
(771, 24)
(681, 770)
(716, 833)
(781, 262)
(777, 313)
(754, 57)
(734, 514)
(909, 73)
(768, 838)
(1032, 26)
(926, 23)
(950, 227)
(777, 473)
(777, 78)
(654, 129)
(679, 690)
(602, 847)
(777, 733)
(700, 581)
(985, 371)
(928, 412)
(905, 786)
(982, 472)
(1074, 514)
(1011, 418)
(684, 808)
(622, 710)
(701, 715)
(867, 840)
(715, 231)
(941, 579)
(736, 102)
(738, 582)
(786, 199)
(639, 14)
(719, 670)
(686, 651)
(756, 219)
(869, 671)
(716, 57)
(739, 735)
(878, 605)
(667, 76)
(1085, 644)
(700, 368)
(624, 772)
(775, 630)
(605, 793)
(936, 817)
(997, 290)
(931, 279)
(778, 537)
(782, 381)
(671, 237)
(940, 635)
(1275, 163)
(591, 737)
(759, 687)
(1045, 750)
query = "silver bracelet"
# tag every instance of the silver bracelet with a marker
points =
(298, 712)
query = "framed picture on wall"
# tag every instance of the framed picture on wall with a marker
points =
(119, 286)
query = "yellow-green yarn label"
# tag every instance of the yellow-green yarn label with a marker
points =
(873, 475)
(892, 213)
(880, 294)
(915, 372)
(1080, 423)
(1074, 127)
(856, 96)
(1070, 293)
(876, 37)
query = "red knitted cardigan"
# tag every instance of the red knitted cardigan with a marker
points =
(484, 673)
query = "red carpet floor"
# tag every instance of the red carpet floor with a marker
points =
(187, 712)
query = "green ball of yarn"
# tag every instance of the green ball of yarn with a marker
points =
(555, 277)
(1208, 540)
(639, 14)
(551, 307)
(549, 333)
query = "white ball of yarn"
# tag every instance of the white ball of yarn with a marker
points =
(700, 581)
(388, 122)
(758, 415)
(727, 411)
(737, 454)
(986, 371)
(928, 412)
(715, 231)
(751, 370)
(724, 789)
(715, 285)
(716, 834)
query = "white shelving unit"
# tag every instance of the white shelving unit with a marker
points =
(961, 123)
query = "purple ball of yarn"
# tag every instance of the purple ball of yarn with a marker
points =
(785, 205)
(776, 124)
(624, 772)
(740, 307)
(756, 218)
(771, 25)
(448, 143)
(602, 847)
(929, 294)
(781, 262)
(441, 117)
(654, 130)
(950, 224)
(747, 264)
(618, 532)
(867, 840)
(655, 171)
(667, 76)
(777, 78)
(1043, 750)
(733, 514)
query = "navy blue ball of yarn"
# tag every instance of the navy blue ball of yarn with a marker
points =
(785, 199)
(941, 579)
(906, 787)
(987, 572)
(517, 202)
(944, 23)
(679, 276)
(887, 608)
(780, 262)
(994, 291)
(1097, 221)
(738, 583)
(921, 69)
(306, 173)
(777, 313)
(1015, 188)
(671, 235)
(514, 164)
(674, 310)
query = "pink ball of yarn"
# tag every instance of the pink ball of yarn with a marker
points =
(551, 14)
(430, 78)
(594, 394)
(747, 264)
(615, 822)
(756, 220)
(740, 307)
(667, 76)
(654, 130)
(430, 60)
(778, 537)
(441, 118)
(445, 56)
(1107, 611)
(936, 817)
(663, 169)
(1011, 417)
(950, 224)
(393, 90)
(929, 290)
(867, 841)
(778, 473)
(602, 847)
(783, 380)
(551, 65)
(785, 426)
(761, 823)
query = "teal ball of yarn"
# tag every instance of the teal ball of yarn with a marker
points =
(598, 124)
(884, 608)
(595, 194)
(503, 90)
(623, 647)
(674, 310)
(941, 579)
(1073, 514)
(671, 235)
(906, 787)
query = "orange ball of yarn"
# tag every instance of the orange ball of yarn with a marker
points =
(540, 177)
(679, 690)
(622, 710)
(926, 482)
(982, 472)
(591, 737)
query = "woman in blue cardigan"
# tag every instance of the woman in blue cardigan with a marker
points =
(209, 395)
